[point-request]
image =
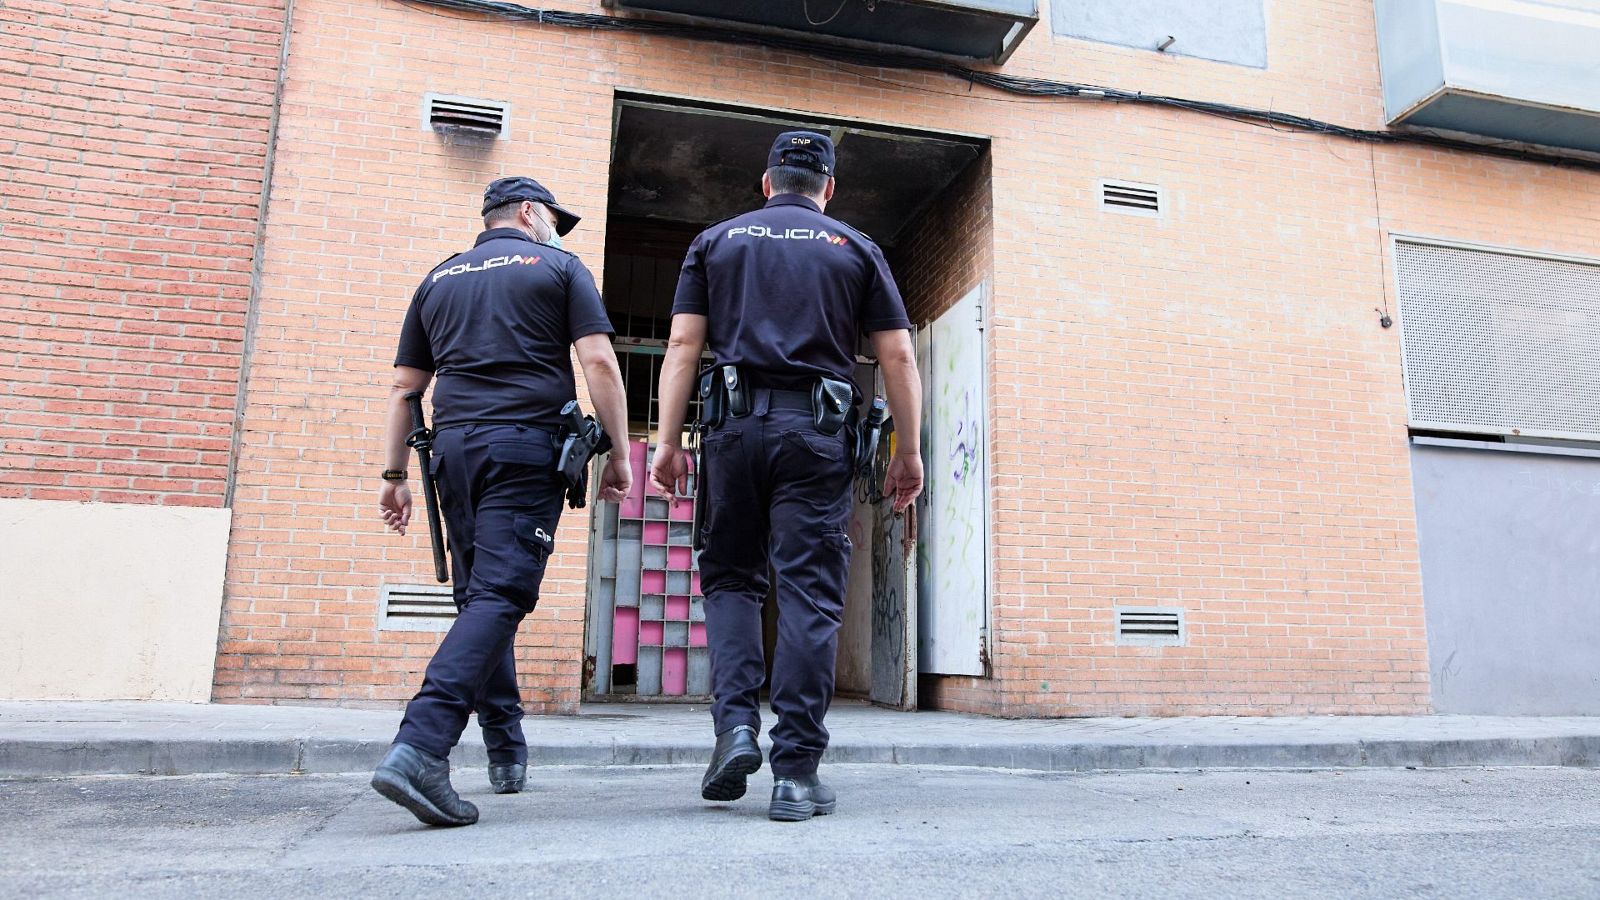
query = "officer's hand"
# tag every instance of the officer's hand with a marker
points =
(395, 502)
(669, 474)
(903, 481)
(616, 480)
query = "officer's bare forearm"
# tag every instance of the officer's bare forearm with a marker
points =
(678, 373)
(397, 419)
(677, 382)
(604, 377)
(897, 360)
(610, 402)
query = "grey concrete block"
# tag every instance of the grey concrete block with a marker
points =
(847, 752)
(47, 758)
(44, 740)
(1255, 755)
(659, 753)
(319, 756)
(1096, 758)
(1536, 751)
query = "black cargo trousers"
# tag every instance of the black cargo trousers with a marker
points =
(778, 494)
(501, 498)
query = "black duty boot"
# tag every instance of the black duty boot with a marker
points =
(737, 755)
(796, 798)
(508, 778)
(420, 782)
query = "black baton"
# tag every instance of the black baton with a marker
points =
(421, 440)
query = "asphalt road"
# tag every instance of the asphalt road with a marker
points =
(900, 832)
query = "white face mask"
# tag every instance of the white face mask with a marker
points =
(550, 239)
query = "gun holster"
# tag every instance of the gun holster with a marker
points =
(867, 438)
(581, 440)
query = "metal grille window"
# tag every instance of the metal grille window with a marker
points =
(1498, 342)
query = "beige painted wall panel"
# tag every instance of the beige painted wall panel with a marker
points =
(109, 601)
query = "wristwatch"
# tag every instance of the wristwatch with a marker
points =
(394, 474)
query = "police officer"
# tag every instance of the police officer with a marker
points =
(783, 295)
(496, 324)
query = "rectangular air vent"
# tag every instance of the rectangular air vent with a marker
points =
(1148, 627)
(466, 116)
(1131, 198)
(416, 607)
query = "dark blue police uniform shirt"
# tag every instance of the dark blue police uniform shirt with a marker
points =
(496, 324)
(787, 292)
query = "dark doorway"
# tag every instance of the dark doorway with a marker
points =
(678, 167)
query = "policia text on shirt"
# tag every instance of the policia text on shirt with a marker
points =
(783, 295)
(495, 325)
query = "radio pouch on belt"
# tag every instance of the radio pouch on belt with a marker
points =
(831, 403)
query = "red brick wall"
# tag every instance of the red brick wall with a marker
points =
(364, 201)
(135, 137)
(1196, 410)
(950, 248)
(946, 253)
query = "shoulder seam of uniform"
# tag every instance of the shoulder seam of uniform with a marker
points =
(446, 260)
(869, 237)
(727, 219)
(559, 250)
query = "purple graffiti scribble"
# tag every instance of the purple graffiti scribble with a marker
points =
(966, 440)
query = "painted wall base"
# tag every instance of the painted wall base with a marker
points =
(109, 601)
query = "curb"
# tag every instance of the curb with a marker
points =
(311, 755)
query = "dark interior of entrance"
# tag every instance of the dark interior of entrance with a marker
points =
(677, 168)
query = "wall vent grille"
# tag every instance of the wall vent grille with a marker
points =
(466, 116)
(1149, 627)
(1499, 342)
(1130, 198)
(416, 607)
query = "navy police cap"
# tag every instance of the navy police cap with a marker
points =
(506, 190)
(805, 149)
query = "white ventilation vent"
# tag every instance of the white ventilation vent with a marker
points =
(465, 117)
(1499, 342)
(1130, 198)
(1149, 627)
(415, 607)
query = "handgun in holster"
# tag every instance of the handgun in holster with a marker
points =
(582, 439)
(867, 438)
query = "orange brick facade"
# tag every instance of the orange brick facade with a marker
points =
(1197, 410)
(135, 137)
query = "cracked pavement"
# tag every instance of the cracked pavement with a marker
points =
(900, 831)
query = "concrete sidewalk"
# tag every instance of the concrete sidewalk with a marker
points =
(54, 739)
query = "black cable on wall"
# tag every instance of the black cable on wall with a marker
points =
(1011, 84)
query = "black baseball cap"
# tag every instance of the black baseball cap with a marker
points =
(506, 190)
(805, 149)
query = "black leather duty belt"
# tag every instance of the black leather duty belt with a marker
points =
(800, 400)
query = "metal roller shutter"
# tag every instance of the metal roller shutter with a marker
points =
(1500, 342)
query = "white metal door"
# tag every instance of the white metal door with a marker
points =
(890, 541)
(953, 544)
